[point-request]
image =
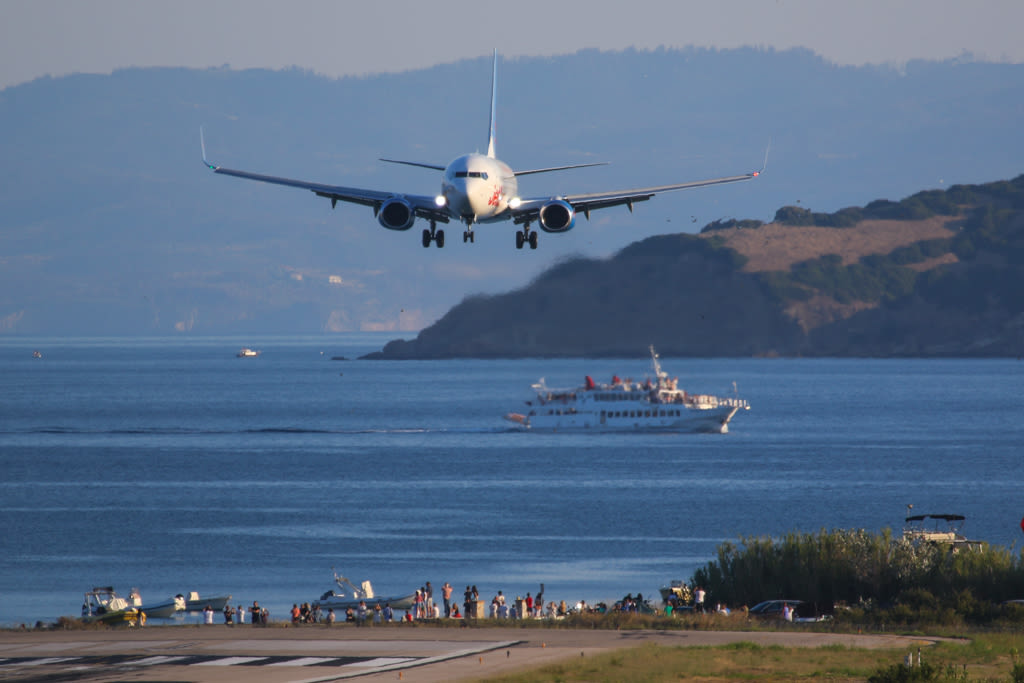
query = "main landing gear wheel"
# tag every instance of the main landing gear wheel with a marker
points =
(522, 237)
(433, 235)
(469, 236)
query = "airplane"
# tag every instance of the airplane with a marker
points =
(478, 188)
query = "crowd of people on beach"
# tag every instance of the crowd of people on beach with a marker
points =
(258, 616)
(425, 607)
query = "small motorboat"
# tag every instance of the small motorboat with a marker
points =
(104, 606)
(195, 603)
(246, 352)
(349, 595)
(165, 609)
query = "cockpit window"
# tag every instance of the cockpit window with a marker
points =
(471, 174)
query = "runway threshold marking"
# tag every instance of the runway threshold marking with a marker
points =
(345, 666)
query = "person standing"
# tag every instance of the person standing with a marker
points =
(428, 599)
(698, 600)
(208, 615)
(446, 594)
(240, 614)
(228, 613)
(254, 613)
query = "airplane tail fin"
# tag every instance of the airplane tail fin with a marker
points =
(493, 132)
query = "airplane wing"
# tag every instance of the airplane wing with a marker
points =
(529, 209)
(423, 205)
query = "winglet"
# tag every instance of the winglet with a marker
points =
(202, 146)
(765, 164)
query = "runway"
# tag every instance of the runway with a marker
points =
(315, 654)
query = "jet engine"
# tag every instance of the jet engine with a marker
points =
(557, 216)
(396, 214)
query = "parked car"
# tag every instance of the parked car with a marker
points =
(772, 608)
(803, 612)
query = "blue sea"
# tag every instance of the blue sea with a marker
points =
(169, 465)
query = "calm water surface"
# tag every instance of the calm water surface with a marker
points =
(171, 466)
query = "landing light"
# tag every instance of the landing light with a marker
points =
(440, 200)
(514, 203)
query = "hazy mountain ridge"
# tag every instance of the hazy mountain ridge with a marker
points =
(109, 224)
(946, 281)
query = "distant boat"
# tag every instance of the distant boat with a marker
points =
(37, 354)
(246, 352)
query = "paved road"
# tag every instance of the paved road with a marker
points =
(313, 654)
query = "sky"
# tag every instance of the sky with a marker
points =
(353, 38)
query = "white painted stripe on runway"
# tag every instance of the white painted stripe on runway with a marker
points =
(156, 660)
(229, 661)
(303, 661)
(380, 661)
(413, 661)
(44, 660)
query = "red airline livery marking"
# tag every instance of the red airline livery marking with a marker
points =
(493, 201)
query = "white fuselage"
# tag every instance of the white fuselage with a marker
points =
(478, 188)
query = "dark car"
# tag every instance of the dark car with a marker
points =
(803, 612)
(772, 608)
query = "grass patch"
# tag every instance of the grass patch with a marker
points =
(987, 657)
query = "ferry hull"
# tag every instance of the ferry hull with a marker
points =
(710, 421)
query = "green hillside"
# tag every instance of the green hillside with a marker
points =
(961, 295)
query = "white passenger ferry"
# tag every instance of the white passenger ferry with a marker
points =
(628, 406)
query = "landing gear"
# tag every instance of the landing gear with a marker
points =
(526, 236)
(433, 235)
(469, 236)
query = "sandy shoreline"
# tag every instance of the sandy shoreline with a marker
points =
(315, 653)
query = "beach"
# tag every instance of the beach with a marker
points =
(418, 652)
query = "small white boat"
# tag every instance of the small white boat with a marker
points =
(164, 609)
(349, 595)
(195, 603)
(246, 352)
